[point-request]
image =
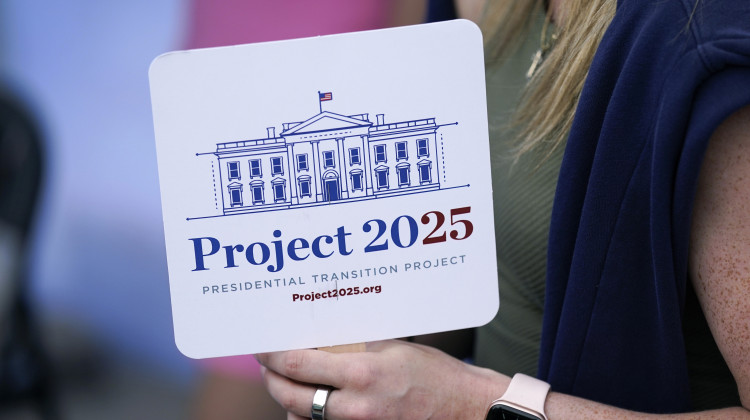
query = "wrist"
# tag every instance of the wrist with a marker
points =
(484, 387)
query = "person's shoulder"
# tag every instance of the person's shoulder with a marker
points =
(705, 35)
(705, 20)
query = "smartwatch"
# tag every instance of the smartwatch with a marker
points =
(523, 400)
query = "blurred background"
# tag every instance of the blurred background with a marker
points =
(85, 317)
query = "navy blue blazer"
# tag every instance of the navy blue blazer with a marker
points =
(660, 84)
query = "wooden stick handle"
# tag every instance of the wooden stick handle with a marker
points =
(345, 348)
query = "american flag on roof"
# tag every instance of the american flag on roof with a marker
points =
(325, 96)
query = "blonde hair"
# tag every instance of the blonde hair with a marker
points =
(544, 116)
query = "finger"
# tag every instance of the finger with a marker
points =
(295, 397)
(376, 346)
(318, 367)
(292, 416)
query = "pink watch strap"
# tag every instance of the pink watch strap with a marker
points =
(526, 392)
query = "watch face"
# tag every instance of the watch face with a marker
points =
(503, 412)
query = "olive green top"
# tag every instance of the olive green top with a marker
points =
(523, 194)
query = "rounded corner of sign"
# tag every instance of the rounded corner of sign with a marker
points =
(159, 61)
(186, 350)
(154, 65)
(469, 24)
(470, 27)
(490, 312)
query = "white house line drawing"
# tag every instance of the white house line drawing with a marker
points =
(328, 159)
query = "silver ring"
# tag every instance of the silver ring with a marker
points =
(318, 411)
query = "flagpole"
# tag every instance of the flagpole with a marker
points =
(320, 103)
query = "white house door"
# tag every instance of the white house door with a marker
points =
(331, 189)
